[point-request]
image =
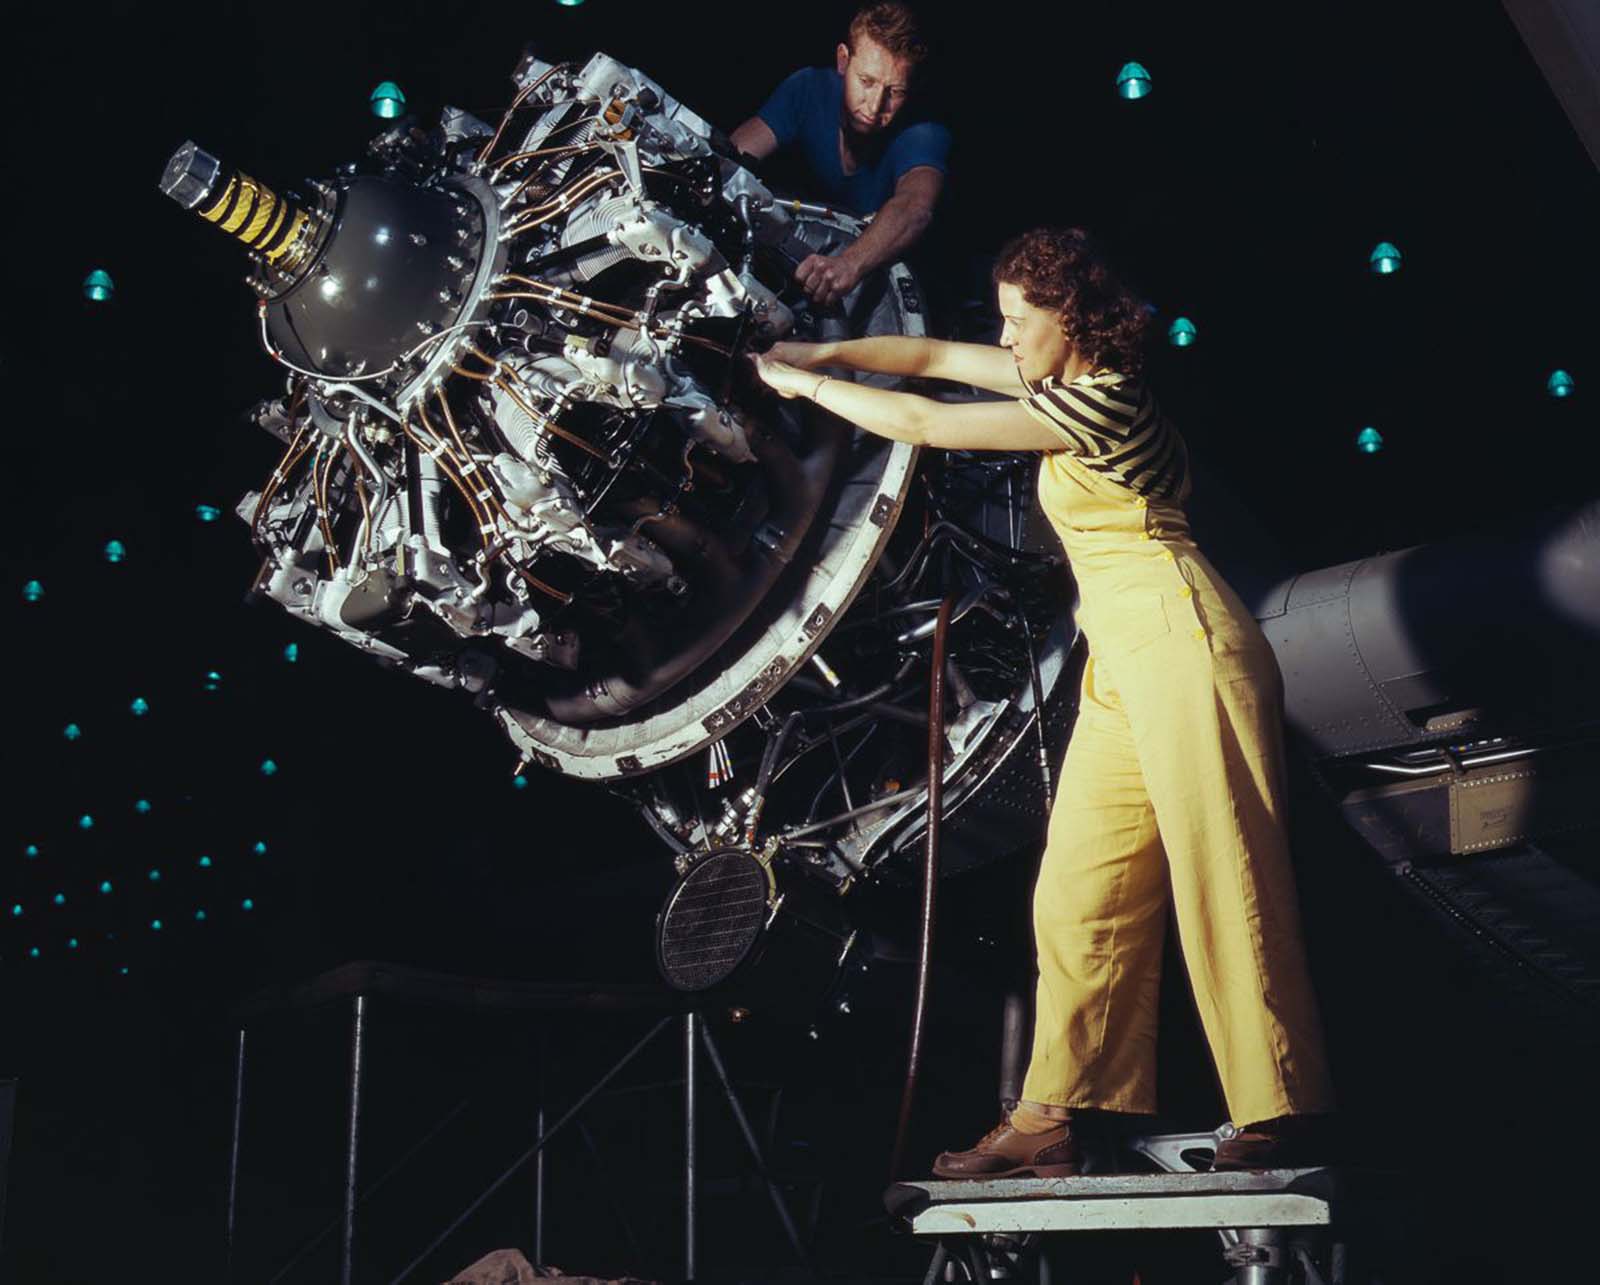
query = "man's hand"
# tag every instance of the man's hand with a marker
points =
(827, 278)
(893, 230)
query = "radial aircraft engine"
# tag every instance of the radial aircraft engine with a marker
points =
(525, 459)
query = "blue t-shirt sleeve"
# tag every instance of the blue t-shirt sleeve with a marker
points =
(784, 112)
(925, 143)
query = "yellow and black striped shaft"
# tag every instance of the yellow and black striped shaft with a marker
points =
(279, 231)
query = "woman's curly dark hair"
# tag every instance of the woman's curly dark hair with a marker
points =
(1063, 270)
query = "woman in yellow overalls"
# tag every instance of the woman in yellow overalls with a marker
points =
(1172, 786)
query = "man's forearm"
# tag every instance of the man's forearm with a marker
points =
(893, 230)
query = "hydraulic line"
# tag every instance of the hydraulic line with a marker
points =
(839, 776)
(875, 805)
(488, 496)
(549, 425)
(769, 762)
(533, 582)
(439, 451)
(572, 149)
(537, 214)
(930, 880)
(362, 542)
(320, 490)
(868, 698)
(617, 318)
(286, 466)
(946, 529)
(840, 765)
(506, 163)
(362, 459)
(505, 118)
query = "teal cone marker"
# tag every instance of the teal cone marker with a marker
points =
(387, 101)
(1133, 81)
(98, 286)
(1385, 260)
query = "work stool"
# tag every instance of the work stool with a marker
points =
(357, 986)
(1276, 1226)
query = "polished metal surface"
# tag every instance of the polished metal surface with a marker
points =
(384, 274)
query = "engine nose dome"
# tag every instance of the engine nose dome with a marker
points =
(393, 272)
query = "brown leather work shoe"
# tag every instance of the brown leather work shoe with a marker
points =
(1005, 1153)
(1288, 1142)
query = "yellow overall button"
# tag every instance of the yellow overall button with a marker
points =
(1185, 592)
(1167, 554)
(1199, 633)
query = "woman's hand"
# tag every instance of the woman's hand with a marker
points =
(795, 353)
(784, 379)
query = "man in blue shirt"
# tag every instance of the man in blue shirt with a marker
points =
(842, 119)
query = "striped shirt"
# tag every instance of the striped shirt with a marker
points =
(1113, 425)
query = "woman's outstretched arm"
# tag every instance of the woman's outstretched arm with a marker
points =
(906, 417)
(981, 365)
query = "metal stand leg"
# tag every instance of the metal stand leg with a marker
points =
(778, 1202)
(1013, 1049)
(336, 1223)
(690, 1022)
(539, 1145)
(603, 1180)
(353, 1138)
(538, 1169)
(1261, 1255)
(233, 1154)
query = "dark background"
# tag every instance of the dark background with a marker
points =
(1280, 145)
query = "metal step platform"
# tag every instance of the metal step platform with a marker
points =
(1276, 1226)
